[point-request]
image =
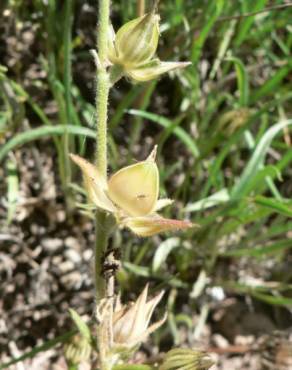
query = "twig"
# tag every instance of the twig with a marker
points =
(251, 14)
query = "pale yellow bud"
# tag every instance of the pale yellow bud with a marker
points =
(132, 50)
(136, 41)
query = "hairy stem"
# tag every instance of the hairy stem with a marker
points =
(102, 95)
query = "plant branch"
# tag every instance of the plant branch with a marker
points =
(251, 14)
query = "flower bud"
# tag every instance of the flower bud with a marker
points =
(131, 51)
(78, 350)
(136, 41)
(183, 358)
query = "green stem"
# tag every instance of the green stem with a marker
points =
(102, 95)
(103, 85)
(67, 85)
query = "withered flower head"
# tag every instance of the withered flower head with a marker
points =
(131, 322)
(122, 329)
(131, 194)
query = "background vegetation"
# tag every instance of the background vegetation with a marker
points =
(222, 127)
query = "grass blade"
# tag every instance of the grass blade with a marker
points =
(257, 159)
(242, 81)
(42, 348)
(164, 122)
(37, 133)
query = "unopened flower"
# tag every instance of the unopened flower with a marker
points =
(134, 46)
(77, 350)
(131, 194)
(186, 359)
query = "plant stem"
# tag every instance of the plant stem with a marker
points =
(140, 8)
(67, 86)
(101, 242)
(102, 95)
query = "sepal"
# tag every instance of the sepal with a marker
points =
(154, 224)
(154, 69)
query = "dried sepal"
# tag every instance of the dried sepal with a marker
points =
(122, 328)
(155, 224)
(154, 70)
(131, 322)
(95, 184)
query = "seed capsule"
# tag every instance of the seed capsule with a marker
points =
(136, 41)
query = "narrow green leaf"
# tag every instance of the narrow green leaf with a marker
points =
(271, 85)
(212, 12)
(276, 300)
(39, 132)
(247, 23)
(222, 196)
(133, 367)
(277, 206)
(277, 247)
(164, 122)
(124, 105)
(257, 159)
(42, 348)
(137, 270)
(81, 324)
(163, 251)
(12, 189)
(242, 81)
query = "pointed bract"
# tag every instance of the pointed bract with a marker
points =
(131, 322)
(152, 71)
(154, 224)
(95, 184)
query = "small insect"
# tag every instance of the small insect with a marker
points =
(142, 196)
(111, 262)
